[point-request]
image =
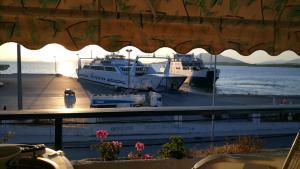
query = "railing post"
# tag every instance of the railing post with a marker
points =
(256, 118)
(212, 132)
(19, 70)
(58, 133)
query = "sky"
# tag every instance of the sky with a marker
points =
(52, 52)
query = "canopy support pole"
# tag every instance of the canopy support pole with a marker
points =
(129, 68)
(214, 81)
(213, 103)
(19, 74)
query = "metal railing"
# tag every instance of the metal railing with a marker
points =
(59, 114)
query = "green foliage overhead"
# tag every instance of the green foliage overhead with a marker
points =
(122, 5)
(201, 4)
(92, 30)
(250, 2)
(46, 2)
(294, 14)
(216, 2)
(213, 2)
(60, 24)
(278, 4)
(232, 5)
(33, 32)
(115, 41)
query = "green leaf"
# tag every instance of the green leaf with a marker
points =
(122, 5)
(219, 2)
(201, 4)
(174, 148)
(213, 2)
(114, 41)
(294, 13)
(250, 2)
(92, 30)
(33, 32)
(279, 4)
(232, 5)
(216, 2)
(46, 2)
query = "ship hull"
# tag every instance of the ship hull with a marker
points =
(202, 81)
(155, 82)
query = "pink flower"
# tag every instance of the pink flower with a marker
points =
(117, 144)
(146, 157)
(130, 155)
(139, 146)
(101, 134)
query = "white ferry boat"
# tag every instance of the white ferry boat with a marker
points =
(117, 71)
(193, 67)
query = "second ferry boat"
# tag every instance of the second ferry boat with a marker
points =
(195, 70)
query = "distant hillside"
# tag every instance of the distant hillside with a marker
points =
(294, 61)
(281, 63)
(222, 60)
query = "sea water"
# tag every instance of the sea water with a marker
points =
(259, 80)
(233, 79)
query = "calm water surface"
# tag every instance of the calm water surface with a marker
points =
(259, 80)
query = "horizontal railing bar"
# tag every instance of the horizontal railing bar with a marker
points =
(142, 121)
(144, 111)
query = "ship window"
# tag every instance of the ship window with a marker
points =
(112, 69)
(125, 69)
(100, 68)
(141, 69)
(185, 68)
(177, 67)
(196, 68)
(86, 67)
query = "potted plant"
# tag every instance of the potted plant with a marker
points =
(109, 159)
(174, 148)
(108, 150)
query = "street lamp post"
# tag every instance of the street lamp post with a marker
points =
(78, 62)
(128, 50)
(55, 65)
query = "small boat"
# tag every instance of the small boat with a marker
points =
(194, 68)
(119, 72)
(3, 67)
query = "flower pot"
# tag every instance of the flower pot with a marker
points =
(186, 163)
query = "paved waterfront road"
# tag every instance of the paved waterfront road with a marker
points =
(47, 91)
(42, 91)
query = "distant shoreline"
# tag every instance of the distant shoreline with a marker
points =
(257, 65)
(247, 64)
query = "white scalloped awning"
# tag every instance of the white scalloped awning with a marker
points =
(215, 25)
